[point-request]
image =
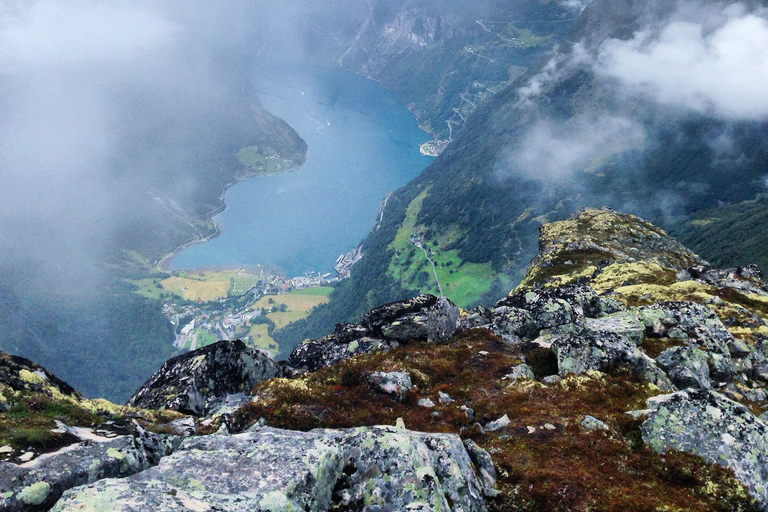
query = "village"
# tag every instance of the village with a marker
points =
(254, 304)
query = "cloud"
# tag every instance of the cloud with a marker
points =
(105, 106)
(552, 151)
(713, 61)
(576, 5)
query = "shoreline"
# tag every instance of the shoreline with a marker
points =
(426, 149)
(162, 262)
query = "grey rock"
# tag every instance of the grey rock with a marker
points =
(372, 468)
(513, 323)
(721, 431)
(313, 355)
(545, 307)
(478, 317)
(739, 349)
(228, 404)
(579, 354)
(609, 306)
(392, 383)
(497, 424)
(39, 483)
(426, 402)
(521, 371)
(623, 324)
(444, 398)
(689, 320)
(760, 372)
(422, 318)
(194, 382)
(591, 423)
(551, 380)
(686, 367)
(757, 395)
(484, 464)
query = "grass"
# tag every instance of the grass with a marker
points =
(545, 459)
(281, 319)
(461, 282)
(208, 285)
(298, 304)
(260, 338)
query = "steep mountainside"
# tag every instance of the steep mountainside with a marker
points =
(625, 374)
(575, 131)
(441, 58)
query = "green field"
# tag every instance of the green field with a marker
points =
(462, 282)
(298, 304)
(260, 338)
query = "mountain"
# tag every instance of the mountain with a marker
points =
(587, 126)
(441, 58)
(624, 374)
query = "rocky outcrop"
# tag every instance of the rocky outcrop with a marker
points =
(194, 383)
(38, 484)
(20, 374)
(709, 425)
(422, 318)
(372, 468)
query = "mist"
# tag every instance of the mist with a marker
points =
(107, 105)
(707, 60)
(712, 60)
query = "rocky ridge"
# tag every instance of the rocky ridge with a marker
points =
(627, 375)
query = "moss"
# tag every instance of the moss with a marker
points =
(35, 494)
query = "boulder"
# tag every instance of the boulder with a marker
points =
(38, 484)
(371, 468)
(391, 383)
(580, 354)
(721, 431)
(624, 324)
(513, 323)
(422, 318)
(313, 355)
(686, 367)
(546, 307)
(194, 383)
(689, 320)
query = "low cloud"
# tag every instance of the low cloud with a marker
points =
(552, 151)
(713, 61)
(576, 5)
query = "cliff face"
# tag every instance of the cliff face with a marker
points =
(624, 374)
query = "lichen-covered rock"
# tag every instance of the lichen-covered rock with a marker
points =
(391, 383)
(719, 430)
(686, 367)
(195, 382)
(521, 371)
(513, 323)
(312, 355)
(265, 469)
(545, 307)
(593, 239)
(484, 464)
(24, 375)
(689, 320)
(623, 324)
(580, 354)
(38, 484)
(422, 318)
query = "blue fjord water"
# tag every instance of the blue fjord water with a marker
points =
(362, 144)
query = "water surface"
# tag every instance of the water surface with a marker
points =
(362, 145)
